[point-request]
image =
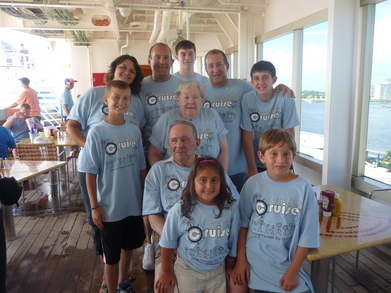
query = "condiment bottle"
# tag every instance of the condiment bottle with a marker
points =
(327, 202)
(337, 211)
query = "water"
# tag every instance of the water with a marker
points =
(379, 125)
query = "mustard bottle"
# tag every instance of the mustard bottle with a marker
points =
(337, 211)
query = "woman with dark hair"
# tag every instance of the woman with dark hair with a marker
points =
(89, 110)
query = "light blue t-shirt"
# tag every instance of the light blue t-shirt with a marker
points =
(203, 241)
(90, 109)
(158, 98)
(279, 217)
(210, 130)
(227, 102)
(115, 154)
(164, 185)
(66, 99)
(19, 128)
(198, 77)
(259, 116)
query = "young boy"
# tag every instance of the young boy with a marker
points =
(264, 109)
(279, 217)
(116, 170)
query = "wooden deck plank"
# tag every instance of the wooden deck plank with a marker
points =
(55, 253)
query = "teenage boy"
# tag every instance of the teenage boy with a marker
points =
(264, 109)
(66, 97)
(186, 55)
(115, 166)
(279, 215)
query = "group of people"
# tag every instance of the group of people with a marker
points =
(171, 153)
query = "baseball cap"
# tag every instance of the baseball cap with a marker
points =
(70, 79)
(24, 80)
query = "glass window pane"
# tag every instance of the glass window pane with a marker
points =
(378, 155)
(279, 52)
(313, 90)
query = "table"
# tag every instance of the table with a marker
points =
(364, 223)
(23, 170)
(60, 143)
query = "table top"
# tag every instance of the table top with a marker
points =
(23, 170)
(363, 223)
(59, 141)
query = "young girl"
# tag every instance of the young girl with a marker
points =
(203, 226)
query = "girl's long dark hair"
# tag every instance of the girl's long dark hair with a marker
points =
(189, 196)
(135, 86)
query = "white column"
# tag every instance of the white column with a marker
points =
(341, 69)
(246, 45)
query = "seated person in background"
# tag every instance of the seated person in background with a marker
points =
(264, 109)
(210, 127)
(7, 142)
(17, 123)
(28, 96)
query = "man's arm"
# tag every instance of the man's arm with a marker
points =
(74, 131)
(285, 90)
(157, 222)
(248, 148)
(154, 155)
(224, 153)
(9, 122)
(11, 106)
(291, 131)
(66, 109)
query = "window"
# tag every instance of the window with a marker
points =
(279, 52)
(378, 154)
(313, 90)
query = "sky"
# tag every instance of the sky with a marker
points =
(279, 52)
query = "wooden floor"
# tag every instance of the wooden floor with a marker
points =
(54, 253)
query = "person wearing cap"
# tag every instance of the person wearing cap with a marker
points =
(28, 96)
(66, 97)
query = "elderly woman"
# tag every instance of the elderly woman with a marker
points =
(210, 128)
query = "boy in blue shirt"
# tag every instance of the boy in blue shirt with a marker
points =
(279, 216)
(264, 109)
(115, 166)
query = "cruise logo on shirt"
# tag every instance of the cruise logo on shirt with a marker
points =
(173, 184)
(152, 100)
(213, 230)
(261, 207)
(254, 117)
(105, 110)
(111, 148)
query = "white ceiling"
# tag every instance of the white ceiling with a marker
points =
(108, 19)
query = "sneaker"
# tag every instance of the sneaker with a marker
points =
(148, 258)
(125, 287)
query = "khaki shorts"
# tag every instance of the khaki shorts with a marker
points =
(192, 281)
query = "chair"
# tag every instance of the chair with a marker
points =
(39, 152)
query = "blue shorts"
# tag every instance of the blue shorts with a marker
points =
(125, 234)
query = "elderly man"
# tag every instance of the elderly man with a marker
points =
(166, 179)
(28, 96)
(17, 125)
